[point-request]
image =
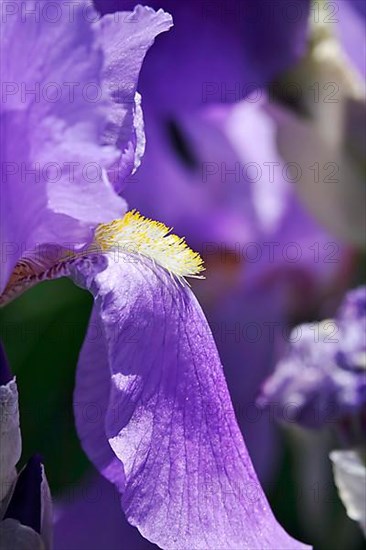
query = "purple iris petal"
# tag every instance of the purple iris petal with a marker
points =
(26, 503)
(57, 140)
(91, 400)
(46, 205)
(233, 211)
(189, 481)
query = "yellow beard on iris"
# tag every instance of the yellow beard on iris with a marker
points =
(132, 234)
(136, 234)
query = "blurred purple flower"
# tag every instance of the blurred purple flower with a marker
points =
(350, 18)
(238, 46)
(323, 378)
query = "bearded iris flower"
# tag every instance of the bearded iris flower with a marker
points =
(167, 436)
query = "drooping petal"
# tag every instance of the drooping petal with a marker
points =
(350, 478)
(91, 399)
(189, 481)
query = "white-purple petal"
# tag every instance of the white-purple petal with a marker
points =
(350, 478)
(11, 443)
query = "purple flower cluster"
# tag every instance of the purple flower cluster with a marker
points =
(322, 379)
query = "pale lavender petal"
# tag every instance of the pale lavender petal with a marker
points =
(350, 478)
(189, 481)
(54, 186)
(125, 38)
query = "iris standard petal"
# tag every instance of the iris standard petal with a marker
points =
(131, 33)
(68, 83)
(189, 481)
(53, 163)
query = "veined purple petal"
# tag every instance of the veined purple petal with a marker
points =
(91, 398)
(189, 482)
